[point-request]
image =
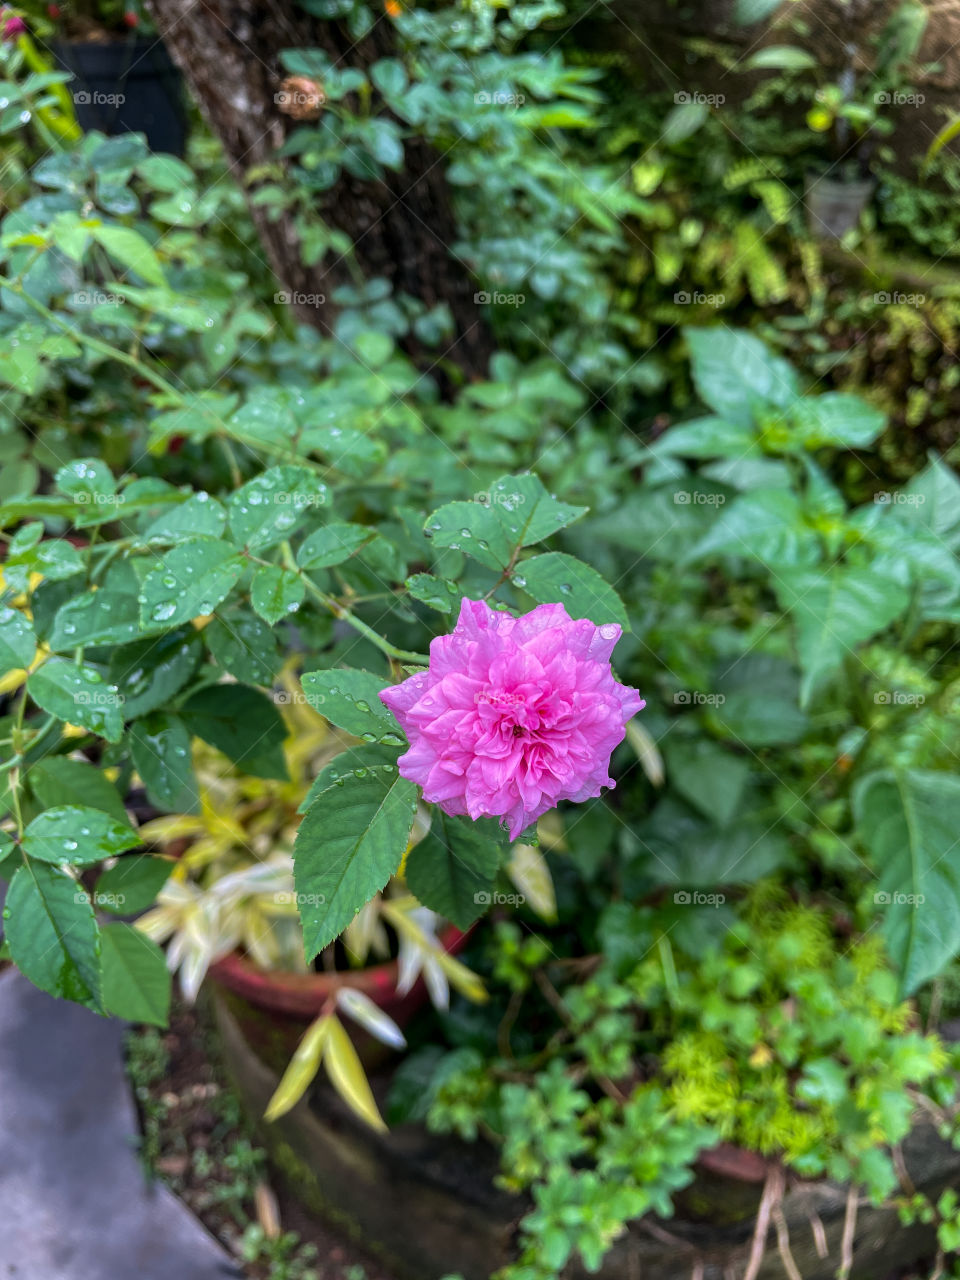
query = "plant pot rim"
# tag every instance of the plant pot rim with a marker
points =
(304, 995)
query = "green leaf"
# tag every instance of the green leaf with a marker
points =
(191, 580)
(131, 251)
(96, 617)
(78, 835)
(160, 748)
(18, 644)
(780, 57)
(834, 612)
(389, 76)
(132, 884)
(766, 525)
(909, 820)
(78, 695)
(683, 120)
(756, 701)
(934, 497)
(361, 759)
(350, 842)
(557, 578)
(736, 375)
(52, 933)
(332, 544)
(199, 516)
(680, 848)
(836, 419)
(350, 698)
(242, 723)
(746, 12)
(86, 480)
(136, 980)
(55, 558)
(453, 868)
(149, 673)
(435, 592)
(709, 437)
(517, 512)
(243, 645)
(275, 593)
(709, 778)
(269, 507)
(56, 781)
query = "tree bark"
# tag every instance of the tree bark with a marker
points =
(402, 227)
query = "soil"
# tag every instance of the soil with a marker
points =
(194, 1138)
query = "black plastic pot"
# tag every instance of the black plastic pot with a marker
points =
(126, 86)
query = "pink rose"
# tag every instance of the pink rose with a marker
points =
(513, 714)
(11, 26)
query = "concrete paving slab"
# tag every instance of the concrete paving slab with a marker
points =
(74, 1203)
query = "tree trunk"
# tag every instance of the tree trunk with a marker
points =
(402, 227)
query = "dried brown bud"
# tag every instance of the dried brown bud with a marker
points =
(300, 97)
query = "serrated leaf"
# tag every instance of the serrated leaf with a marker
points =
(736, 375)
(909, 820)
(78, 695)
(557, 578)
(275, 593)
(350, 698)
(332, 544)
(57, 781)
(150, 672)
(243, 645)
(191, 580)
(350, 842)
(435, 592)
(96, 617)
(269, 507)
(160, 749)
(132, 884)
(18, 644)
(452, 869)
(136, 980)
(199, 516)
(364, 758)
(517, 512)
(52, 933)
(78, 835)
(834, 612)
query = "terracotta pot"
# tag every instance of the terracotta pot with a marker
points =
(274, 1008)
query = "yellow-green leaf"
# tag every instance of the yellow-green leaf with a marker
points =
(348, 1077)
(302, 1069)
